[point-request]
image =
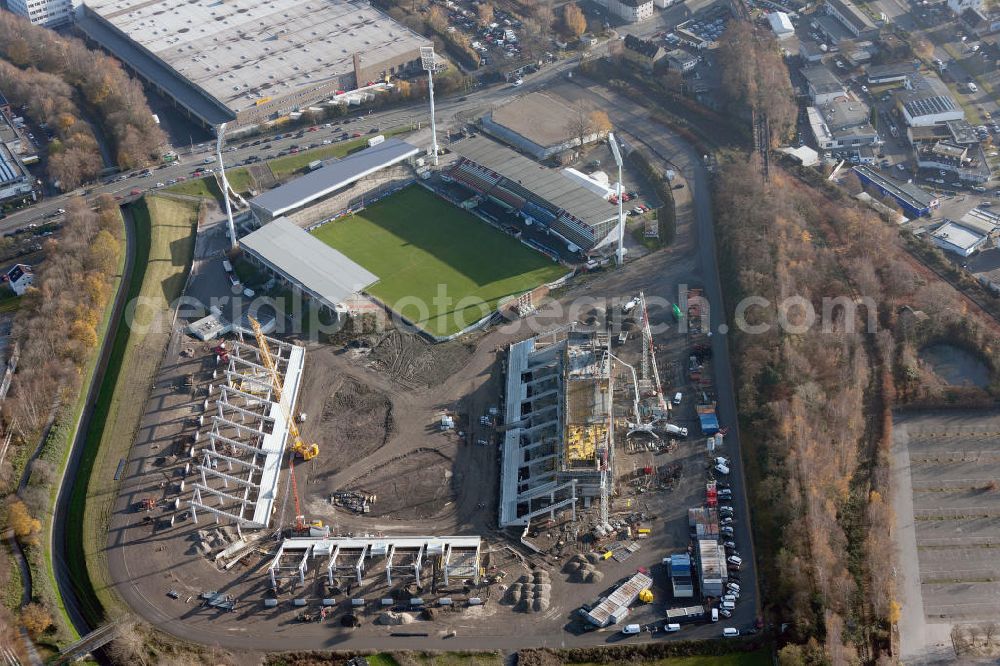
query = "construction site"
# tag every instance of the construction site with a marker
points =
(385, 480)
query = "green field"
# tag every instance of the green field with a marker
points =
(420, 245)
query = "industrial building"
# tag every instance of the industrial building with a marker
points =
(245, 63)
(240, 463)
(47, 13)
(895, 72)
(539, 195)
(823, 85)
(558, 425)
(914, 201)
(337, 186)
(535, 124)
(966, 162)
(958, 239)
(926, 100)
(306, 264)
(712, 570)
(781, 24)
(15, 180)
(852, 18)
(401, 559)
(843, 125)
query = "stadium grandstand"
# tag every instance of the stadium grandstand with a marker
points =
(306, 264)
(338, 186)
(539, 195)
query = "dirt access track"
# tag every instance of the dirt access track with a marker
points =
(389, 446)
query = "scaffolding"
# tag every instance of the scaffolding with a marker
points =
(239, 466)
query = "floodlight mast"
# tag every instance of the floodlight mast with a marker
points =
(428, 62)
(620, 255)
(221, 132)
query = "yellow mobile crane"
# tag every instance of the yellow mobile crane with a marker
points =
(306, 451)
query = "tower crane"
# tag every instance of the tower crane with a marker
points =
(648, 342)
(298, 446)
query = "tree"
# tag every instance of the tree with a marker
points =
(25, 527)
(600, 122)
(574, 22)
(485, 11)
(36, 619)
(578, 125)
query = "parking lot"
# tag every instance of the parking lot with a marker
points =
(948, 463)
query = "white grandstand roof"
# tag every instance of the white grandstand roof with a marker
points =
(242, 51)
(307, 262)
(333, 175)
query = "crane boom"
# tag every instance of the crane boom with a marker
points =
(648, 334)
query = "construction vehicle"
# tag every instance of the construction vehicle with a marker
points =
(301, 449)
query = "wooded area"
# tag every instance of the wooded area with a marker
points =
(754, 76)
(815, 403)
(93, 83)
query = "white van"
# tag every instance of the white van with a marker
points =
(629, 629)
(729, 632)
(672, 627)
(678, 397)
(728, 605)
(715, 615)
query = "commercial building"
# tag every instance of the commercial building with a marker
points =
(960, 6)
(306, 264)
(712, 570)
(535, 124)
(954, 131)
(823, 85)
(852, 18)
(630, 11)
(245, 63)
(48, 13)
(781, 24)
(541, 196)
(15, 180)
(323, 193)
(958, 238)
(843, 125)
(643, 53)
(810, 51)
(966, 162)
(926, 100)
(19, 277)
(558, 425)
(914, 201)
(894, 72)
(682, 61)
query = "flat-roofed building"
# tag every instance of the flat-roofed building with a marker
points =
(243, 62)
(630, 11)
(842, 125)
(47, 13)
(914, 201)
(712, 570)
(822, 84)
(535, 124)
(926, 100)
(300, 199)
(958, 238)
(852, 18)
(538, 194)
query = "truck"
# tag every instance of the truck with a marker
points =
(675, 430)
(685, 614)
(375, 140)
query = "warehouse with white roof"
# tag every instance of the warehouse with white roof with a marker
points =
(245, 62)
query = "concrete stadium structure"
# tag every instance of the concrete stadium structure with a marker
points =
(558, 425)
(303, 200)
(544, 196)
(240, 464)
(245, 63)
(401, 558)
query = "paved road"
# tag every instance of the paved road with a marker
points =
(57, 531)
(451, 111)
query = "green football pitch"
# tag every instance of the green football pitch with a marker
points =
(439, 266)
